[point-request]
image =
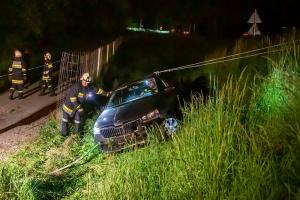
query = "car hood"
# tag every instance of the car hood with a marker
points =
(127, 112)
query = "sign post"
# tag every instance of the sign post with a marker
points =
(254, 20)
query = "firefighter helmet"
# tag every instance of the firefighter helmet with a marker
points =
(47, 56)
(18, 53)
(86, 77)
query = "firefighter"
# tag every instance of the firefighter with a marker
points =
(72, 108)
(47, 75)
(17, 75)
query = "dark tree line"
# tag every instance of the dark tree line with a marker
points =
(51, 22)
(72, 24)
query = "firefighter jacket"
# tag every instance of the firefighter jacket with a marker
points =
(47, 71)
(76, 95)
(18, 71)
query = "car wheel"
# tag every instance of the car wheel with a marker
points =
(170, 126)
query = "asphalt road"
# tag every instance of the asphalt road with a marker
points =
(18, 112)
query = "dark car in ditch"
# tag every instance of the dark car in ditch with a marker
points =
(131, 109)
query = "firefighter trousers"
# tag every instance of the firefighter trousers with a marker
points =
(16, 86)
(65, 120)
(47, 84)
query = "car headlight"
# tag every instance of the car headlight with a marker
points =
(96, 130)
(151, 115)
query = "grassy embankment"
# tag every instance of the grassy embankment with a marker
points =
(243, 142)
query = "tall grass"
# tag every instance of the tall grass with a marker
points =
(243, 142)
(228, 148)
(27, 174)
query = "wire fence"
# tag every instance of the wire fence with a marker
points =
(73, 64)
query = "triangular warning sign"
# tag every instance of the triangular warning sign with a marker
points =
(254, 30)
(254, 18)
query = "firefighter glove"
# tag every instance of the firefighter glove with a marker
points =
(81, 111)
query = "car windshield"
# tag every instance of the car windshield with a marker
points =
(133, 92)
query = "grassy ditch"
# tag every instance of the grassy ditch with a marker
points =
(243, 142)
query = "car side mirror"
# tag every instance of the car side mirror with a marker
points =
(169, 89)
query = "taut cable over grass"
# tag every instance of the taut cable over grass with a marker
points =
(248, 54)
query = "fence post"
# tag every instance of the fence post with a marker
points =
(86, 61)
(98, 63)
(113, 50)
(107, 53)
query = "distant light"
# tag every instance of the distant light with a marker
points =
(136, 29)
(147, 30)
(158, 31)
(186, 32)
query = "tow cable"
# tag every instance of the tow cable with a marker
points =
(55, 172)
(243, 55)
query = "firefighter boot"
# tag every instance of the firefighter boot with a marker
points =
(77, 128)
(42, 93)
(77, 122)
(64, 124)
(52, 93)
(64, 129)
(20, 95)
(11, 93)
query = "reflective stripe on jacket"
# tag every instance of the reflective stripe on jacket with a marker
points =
(76, 96)
(18, 70)
(47, 71)
(71, 101)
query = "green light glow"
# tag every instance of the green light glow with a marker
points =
(273, 99)
(147, 30)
